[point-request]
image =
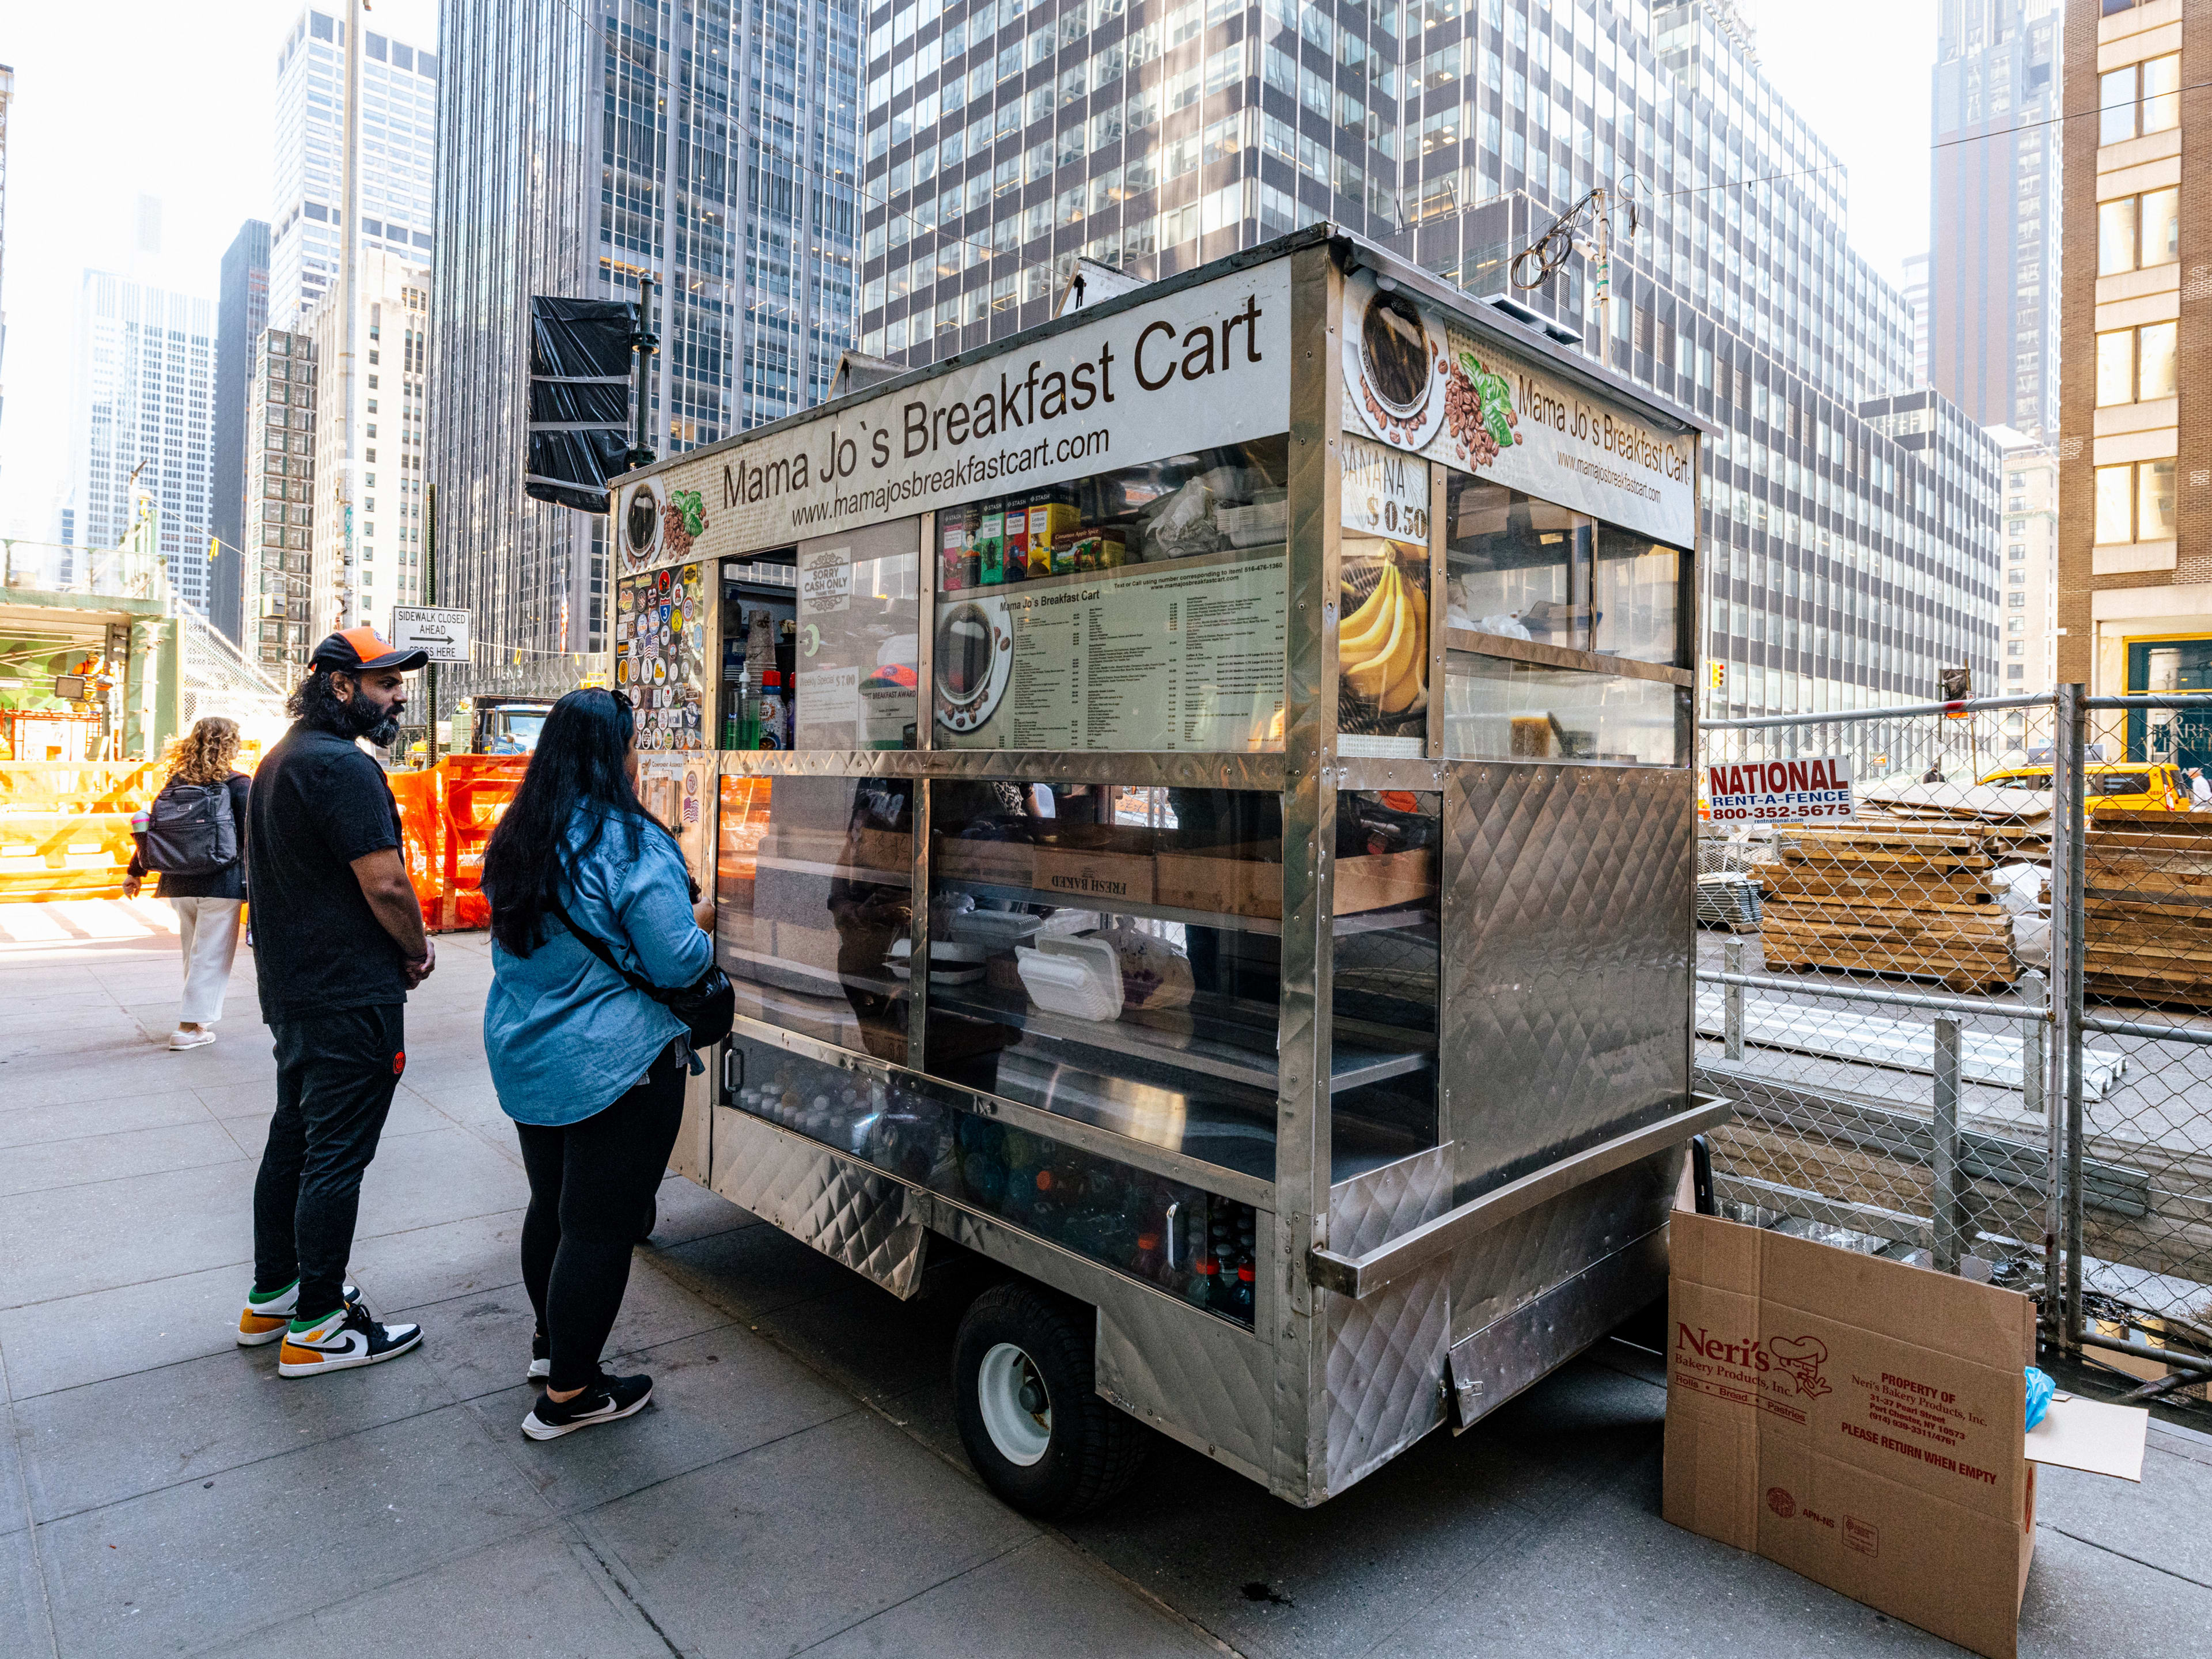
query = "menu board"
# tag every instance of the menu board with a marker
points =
(1141, 659)
(660, 655)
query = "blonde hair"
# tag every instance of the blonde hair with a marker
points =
(204, 754)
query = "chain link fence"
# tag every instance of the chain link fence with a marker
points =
(2001, 967)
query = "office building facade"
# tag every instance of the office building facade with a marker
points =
(711, 149)
(7, 99)
(242, 314)
(396, 167)
(144, 403)
(280, 504)
(2134, 557)
(368, 537)
(1002, 141)
(2031, 568)
(1993, 274)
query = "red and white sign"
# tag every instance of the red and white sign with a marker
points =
(1780, 791)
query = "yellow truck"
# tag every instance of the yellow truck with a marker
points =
(2135, 785)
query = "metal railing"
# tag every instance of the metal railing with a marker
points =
(1972, 1027)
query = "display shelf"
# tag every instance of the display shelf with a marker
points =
(840, 871)
(1226, 920)
(1238, 1043)
(1227, 556)
(827, 979)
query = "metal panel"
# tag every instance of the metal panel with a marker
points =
(691, 1157)
(1566, 965)
(1385, 1372)
(843, 1209)
(1491, 1366)
(1303, 1054)
(1371, 1210)
(1527, 1258)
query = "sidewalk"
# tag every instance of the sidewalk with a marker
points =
(797, 1487)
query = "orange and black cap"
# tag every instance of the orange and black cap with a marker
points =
(357, 650)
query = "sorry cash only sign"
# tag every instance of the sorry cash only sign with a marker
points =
(1780, 791)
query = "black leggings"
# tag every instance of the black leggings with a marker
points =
(589, 1185)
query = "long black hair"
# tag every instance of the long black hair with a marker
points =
(577, 763)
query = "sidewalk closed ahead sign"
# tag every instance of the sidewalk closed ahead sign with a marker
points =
(443, 633)
(1780, 791)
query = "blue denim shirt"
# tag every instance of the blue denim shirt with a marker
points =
(566, 1036)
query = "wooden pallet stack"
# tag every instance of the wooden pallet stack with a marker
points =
(2147, 907)
(1889, 897)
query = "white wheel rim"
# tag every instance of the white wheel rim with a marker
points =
(1020, 1433)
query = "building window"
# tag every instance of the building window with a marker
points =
(2135, 231)
(2134, 363)
(2135, 502)
(2140, 98)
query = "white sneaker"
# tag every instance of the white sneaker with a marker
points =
(181, 1039)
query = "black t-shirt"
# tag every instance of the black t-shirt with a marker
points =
(319, 803)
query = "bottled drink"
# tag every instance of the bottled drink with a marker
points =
(775, 724)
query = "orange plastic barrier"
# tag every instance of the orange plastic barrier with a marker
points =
(62, 855)
(446, 815)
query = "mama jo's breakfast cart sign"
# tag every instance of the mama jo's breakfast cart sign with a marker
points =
(1781, 791)
(1418, 379)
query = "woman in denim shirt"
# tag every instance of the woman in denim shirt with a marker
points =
(590, 1068)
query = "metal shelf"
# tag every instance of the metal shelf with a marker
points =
(841, 872)
(1231, 1039)
(1409, 916)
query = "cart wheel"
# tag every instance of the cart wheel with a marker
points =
(1032, 1423)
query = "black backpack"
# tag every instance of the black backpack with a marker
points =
(190, 831)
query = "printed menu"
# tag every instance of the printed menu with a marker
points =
(1138, 659)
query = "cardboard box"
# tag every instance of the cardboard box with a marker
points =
(1861, 1422)
(1248, 880)
(1003, 863)
(1376, 881)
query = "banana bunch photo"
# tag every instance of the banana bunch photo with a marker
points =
(1382, 646)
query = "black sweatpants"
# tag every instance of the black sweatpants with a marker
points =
(335, 1075)
(589, 1183)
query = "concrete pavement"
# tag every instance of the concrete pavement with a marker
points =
(797, 1486)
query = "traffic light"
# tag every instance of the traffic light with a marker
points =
(1720, 675)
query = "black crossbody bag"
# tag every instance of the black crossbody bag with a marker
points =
(708, 1006)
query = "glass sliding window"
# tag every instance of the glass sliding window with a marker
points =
(1638, 592)
(1498, 709)
(2116, 105)
(2162, 93)
(2116, 368)
(2116, 236)
(813, 880)
(1111, 954)
(1519, 567)
(2156, 349)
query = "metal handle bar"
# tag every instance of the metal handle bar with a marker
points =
(1360, 1277)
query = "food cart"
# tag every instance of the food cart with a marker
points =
(1227, 858)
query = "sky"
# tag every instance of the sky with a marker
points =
(1859, 75)
(176, 106)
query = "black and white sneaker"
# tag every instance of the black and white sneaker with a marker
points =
(541, 1362)
(341, 1340)
(605, 1400)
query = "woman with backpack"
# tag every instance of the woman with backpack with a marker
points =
(194, 834)
(596, 929)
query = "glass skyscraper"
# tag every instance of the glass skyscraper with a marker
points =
(709, 146)
(1003, 140)
(395, 166)
(144, 403)
(1993, 211)
(241, 313)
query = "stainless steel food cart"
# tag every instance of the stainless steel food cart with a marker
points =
(1228, 859)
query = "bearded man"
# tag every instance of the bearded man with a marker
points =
(337, 942)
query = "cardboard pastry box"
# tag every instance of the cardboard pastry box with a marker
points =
(1862, 1422)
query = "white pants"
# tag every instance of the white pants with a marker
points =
(207, 928)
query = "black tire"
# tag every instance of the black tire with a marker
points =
(1090, 1450)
